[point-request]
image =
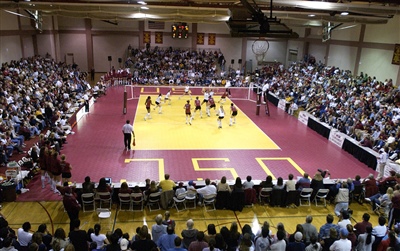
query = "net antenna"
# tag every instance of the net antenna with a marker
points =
(260, 48)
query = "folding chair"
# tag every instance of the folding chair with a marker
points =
(105, 198)
(209, 200)
(180, 199)
(124, 199)
(154, 199)
(137, 200)
(191, 197)
(265, 194)
(305, 195)
(358, 194)
(321, 196)
(88, 200)
(383, 208)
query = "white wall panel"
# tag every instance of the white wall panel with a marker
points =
(378, 63)
(343, 57)
(10, 48)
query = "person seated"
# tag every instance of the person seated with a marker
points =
(303, 182)
(267, 183)
(279, 184)
(371, 188)
(357, 181)
(103, 186)
(153, 189)
(379, 199)
(180, 189)
(88, 186)
(248, 183)
(290, 184)
(124, 188)
(223, 186)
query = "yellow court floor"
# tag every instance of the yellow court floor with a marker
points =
(168, 130)
(52, 214)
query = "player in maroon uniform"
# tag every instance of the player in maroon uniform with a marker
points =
(188, 112)
(197, 105)
(233, 114)
(211, 104)
(223, 97)
(148, 103)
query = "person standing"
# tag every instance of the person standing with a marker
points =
(148, 103)
(186, 92)
(382, 159)
(211, 104)
(188, 112)
(206, 96)
(221, 115)
(197, 106)
(72, 206)
(158, 103)
(167, 97)
(127, 130)
(234, 112)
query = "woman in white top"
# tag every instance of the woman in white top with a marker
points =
(366, 240)
(221, 115)
(99, 239)
(158, 103)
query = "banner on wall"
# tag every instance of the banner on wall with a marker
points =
(211, 39)
(159, 38)
(336, 137)
(282, 104)
(396, 55)
(146, 37)
(200, 38)
(303, 117)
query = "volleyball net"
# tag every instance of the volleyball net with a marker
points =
(234, 93)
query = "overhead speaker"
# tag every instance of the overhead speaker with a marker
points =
(232, 61)
(119, 60)
(239, 61)
(109, 58)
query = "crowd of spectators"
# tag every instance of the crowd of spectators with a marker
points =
(37, 97)
(160, 66)
(360, 106)
(38, 93)
(161, 236)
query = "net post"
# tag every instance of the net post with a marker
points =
(125, 100)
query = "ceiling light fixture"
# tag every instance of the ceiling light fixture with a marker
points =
(142, 2)
(144, 8)
(344, 13)
(311, 15)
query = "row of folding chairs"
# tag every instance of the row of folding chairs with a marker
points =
(182, 200)
(304, 196)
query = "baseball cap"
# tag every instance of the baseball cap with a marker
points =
(344, 232)
(191, 183)
(123, 244)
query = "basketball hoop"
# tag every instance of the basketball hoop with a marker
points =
(260, 48)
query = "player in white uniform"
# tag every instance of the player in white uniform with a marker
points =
(158, 103)
(221, 115)
(187, 92)
(206, 96)
(167, 97)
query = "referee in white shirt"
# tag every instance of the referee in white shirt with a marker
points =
(127, 130)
